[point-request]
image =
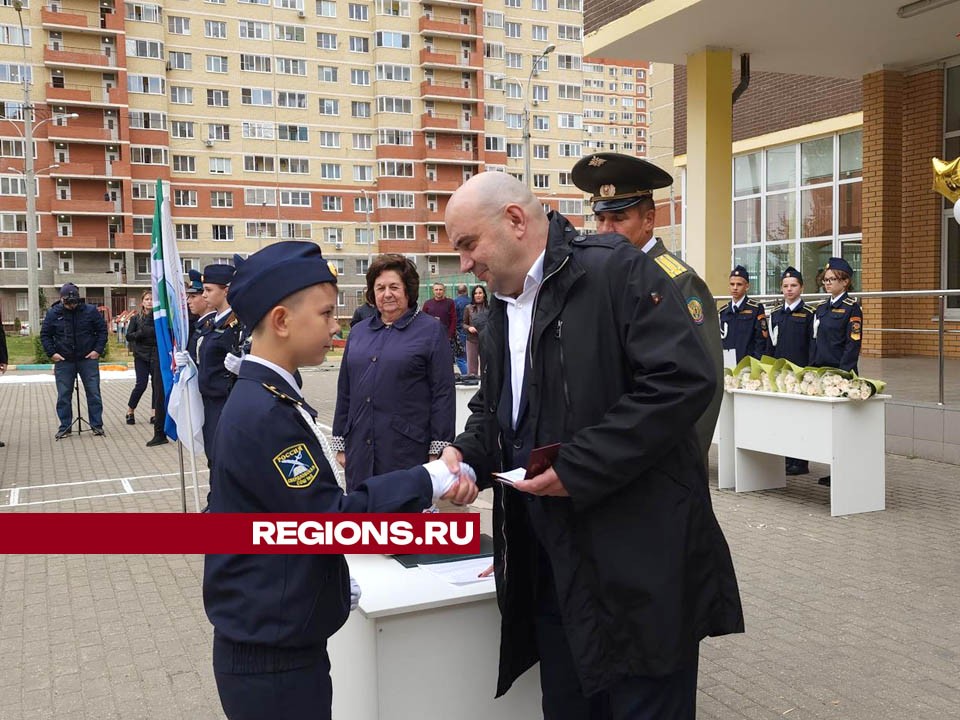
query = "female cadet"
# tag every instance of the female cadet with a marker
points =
(791, 335)
(837, 324)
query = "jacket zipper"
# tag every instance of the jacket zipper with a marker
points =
(503, 527)
(563, 366)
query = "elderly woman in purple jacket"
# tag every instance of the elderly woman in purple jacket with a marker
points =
(395, 394)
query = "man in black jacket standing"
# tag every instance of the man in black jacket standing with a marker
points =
(74, 335)
(610, 564)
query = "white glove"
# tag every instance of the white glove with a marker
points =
(443, 479)
(354, 594)
(181, 358)
(232, 363)
(774, 334)
(816, 326)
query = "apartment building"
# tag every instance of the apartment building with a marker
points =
(346, 123)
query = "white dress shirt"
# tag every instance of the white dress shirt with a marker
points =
(519, 320)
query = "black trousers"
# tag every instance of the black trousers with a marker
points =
(298, 694)
(672, 697)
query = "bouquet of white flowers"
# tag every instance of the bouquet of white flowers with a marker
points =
(781, 375)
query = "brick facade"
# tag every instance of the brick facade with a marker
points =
(772, 102)
(597, 13)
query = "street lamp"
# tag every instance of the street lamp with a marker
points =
(528, 177)
(30, 175)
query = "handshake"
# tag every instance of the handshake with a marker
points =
(459, 488)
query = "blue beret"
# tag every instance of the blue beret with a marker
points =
(269, 275)
(218, 274)
(792, 272)
(836, 263)
(741, 272)
(196, 282)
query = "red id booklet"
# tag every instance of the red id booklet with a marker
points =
(541, 458)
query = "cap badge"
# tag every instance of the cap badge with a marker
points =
(332, 267)
(596, 161)
(607, 190)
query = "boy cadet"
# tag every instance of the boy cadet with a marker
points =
(622, 188)
(791, 335)
(743, 322)
(272, 614)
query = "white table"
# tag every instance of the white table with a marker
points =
(757, 429)
(419, 648)
(465, 394)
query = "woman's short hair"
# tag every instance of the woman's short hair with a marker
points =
(481, 288)
(401, 265)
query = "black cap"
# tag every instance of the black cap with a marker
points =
(836, 263)
(741, 272)
(218, 274)
(792, 272)
(617, 181)
(69, 290)
(269, 275)
(196, 282)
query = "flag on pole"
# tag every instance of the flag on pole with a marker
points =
(170, 316)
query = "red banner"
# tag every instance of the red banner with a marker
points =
(215, 533)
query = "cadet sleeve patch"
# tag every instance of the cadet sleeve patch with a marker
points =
(296, 466)
(696, 309)
(671, 266)
(855, 329)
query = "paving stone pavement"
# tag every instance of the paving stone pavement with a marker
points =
(850, 618)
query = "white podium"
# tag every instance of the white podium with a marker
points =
(757, 429)
(419, 648)
(465, 394)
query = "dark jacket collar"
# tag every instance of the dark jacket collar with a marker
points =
(376, 322)
(262, 374)
(561, 233)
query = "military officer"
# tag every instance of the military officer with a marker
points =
(622, 188)
(272, 614)
(743, 322)
(838, 322)
(790, 336)
(221, 340)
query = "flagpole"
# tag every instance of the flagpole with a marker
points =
(183, 482)
(193, 460)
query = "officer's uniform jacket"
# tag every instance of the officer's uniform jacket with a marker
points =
(744, 330)
(703, 312)
(268, 460)
(223, 337)
(838, 328)
(791, 333)
(617, 374)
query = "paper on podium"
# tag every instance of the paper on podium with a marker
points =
(461, 572)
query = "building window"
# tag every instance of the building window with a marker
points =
(222, 233)
(797, 205)
(221, 199)
(950, 257)
(185, 198)
(221, 166)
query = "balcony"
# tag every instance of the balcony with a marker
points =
(495, 158)
(458, 3)
(454, 155)
(467, 61)
(85, 207)
(433, 90)
(89, 279)
(80, 134)
(94, 95)
(400, 152)
(443, 187)
(447, 28)
(447, 123)
(75, 57)
(87, 171)
(405, 247)
(81, 21)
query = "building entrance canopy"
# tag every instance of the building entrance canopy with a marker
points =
(847, 39)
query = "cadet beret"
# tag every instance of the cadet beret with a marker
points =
(740, 271)
(617, 181)
(269, 275)
(196, 282)
(836, 263)
(218, 274)
(69, 290)
(792, 272)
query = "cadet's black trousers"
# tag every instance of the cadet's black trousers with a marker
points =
(300, 692)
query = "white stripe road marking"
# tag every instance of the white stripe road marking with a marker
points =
(95, 497)
(105, 480)
(128, 488)
(14, 498)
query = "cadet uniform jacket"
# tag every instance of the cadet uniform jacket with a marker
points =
(791, 333)
(703, 312)
(744, 330)
(269, 461)
(618, 374)
(837, 328)
(223, 337)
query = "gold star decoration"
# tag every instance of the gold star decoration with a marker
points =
(596, 161)
(946, 178)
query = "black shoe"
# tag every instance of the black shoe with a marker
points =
(131, 420)
(825, 480)
(2, 443)
(795, 470)
(153, 419)
(157, 440)
(98, 431)
(62, 434)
